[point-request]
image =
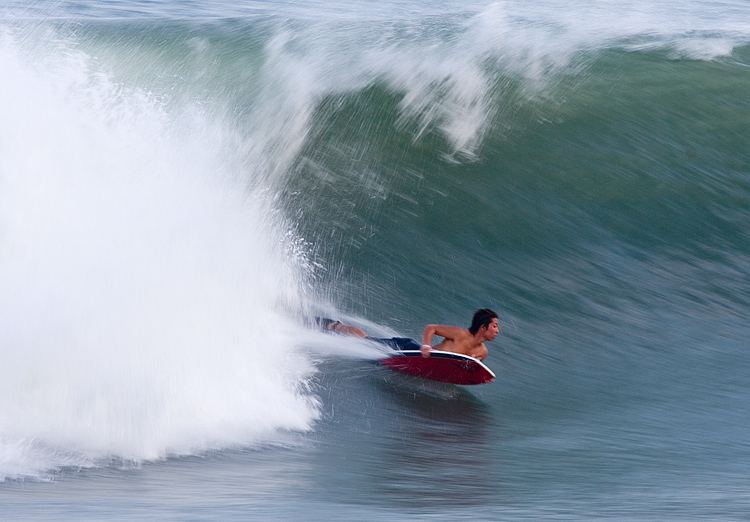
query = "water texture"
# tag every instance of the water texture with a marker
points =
(184, 184)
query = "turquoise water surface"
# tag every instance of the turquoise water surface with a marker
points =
(184, 184)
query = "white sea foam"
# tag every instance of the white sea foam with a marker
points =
(446, 69)
(144, 294)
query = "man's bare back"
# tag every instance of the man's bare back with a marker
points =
(467, 341)
(464, 346)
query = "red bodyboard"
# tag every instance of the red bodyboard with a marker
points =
(450, 367)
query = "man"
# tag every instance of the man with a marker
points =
(468, 341)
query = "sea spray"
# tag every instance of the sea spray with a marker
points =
(145, 295)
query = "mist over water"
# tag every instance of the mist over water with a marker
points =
(141, 279)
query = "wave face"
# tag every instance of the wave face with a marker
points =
(178, 183)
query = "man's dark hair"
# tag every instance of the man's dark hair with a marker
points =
(482, 317)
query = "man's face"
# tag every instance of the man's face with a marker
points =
(493, 329)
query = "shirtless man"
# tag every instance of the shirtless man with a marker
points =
(467, 341)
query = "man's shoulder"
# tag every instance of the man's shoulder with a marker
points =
(465, 335)
(460, 332)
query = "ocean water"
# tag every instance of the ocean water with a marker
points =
(184, 184)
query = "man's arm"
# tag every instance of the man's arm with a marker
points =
(480, 354)
(448, 332)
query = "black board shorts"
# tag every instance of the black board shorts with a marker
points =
(397, 343)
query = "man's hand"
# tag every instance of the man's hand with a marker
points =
(425, 349)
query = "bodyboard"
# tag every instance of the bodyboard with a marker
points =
(454, 368)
